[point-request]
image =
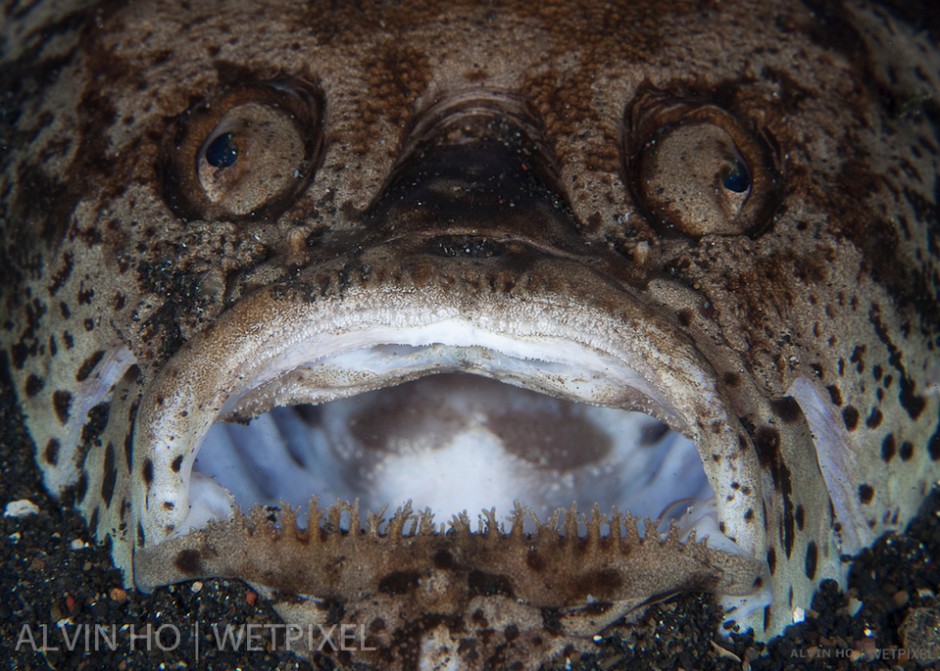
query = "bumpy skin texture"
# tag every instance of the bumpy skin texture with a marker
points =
(823, 299)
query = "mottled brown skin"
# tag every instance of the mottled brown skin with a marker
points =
(833, 278)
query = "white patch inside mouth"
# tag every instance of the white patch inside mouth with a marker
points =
(454, 443)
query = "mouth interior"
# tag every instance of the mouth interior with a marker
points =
(454, 443)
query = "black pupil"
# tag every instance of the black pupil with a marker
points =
(222, 152)
(735, 178)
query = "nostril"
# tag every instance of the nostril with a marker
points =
(478, 159)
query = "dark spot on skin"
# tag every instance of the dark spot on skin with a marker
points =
(874, 419)
(858, 358)
(748, 515)
(731, 379)
(787, 409)
(907, 450)
(535, 561)
(772, 560)
(187, 561)
(51, 453)
(800, 517)
(835, 394)
(132, 422)
(93, 522)
(147, 472)
(850, 417)
(110, 475)
(81, 488)
(19, 353)
(177, 464)
(599, 582)
(767, 442)
(96, 423)
(685, 317)
(62, 402)
(865, 493)
(88, 366)
(141, 538)
(913, 403)
(34, 385)
(811, 557)
(129, 448)
(487, 584)
(169, 505)
(888, 448)
(933, 447)
(443, 560)
(511, 632)
(85, 295)
(62, 275)
(89, 324)
(399, 582)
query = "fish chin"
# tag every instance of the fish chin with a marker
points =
(414, 397)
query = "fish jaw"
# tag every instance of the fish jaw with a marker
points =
(574, 335)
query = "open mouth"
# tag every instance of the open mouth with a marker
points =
(454, 444)
(459, 413)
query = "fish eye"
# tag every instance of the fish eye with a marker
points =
(221, 152)
(735, 177)
(696, 170)
(247, 154)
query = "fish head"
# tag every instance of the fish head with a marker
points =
(673, 268)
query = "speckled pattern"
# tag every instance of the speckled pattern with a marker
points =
(788, 326)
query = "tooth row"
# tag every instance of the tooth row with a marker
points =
(335, 522)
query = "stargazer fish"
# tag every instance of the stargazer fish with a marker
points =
(669, 267)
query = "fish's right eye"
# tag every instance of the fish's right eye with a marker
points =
(697, 170)
(247, 154)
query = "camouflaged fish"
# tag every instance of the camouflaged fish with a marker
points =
(672, 268)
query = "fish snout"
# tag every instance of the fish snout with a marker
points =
(475, 179)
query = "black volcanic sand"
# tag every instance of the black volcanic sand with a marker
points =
(47, 579)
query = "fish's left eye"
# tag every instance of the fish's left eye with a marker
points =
(246, 154)
(696, 170)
